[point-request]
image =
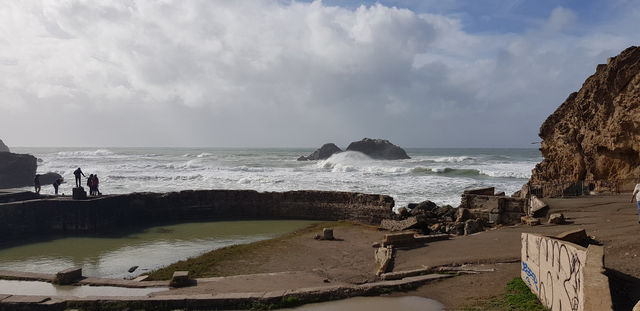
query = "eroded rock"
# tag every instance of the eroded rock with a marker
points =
(3, 147)
(378, 149)
(324, 152)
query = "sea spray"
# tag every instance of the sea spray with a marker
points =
(439, 175)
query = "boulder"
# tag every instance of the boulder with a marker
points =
(322, 153)
(3, 147)
(446, 212)
(472, 226)
(49, 178)
(378, 149)
(17, 170)
(403, 212)
(557, 218)
(425, 208)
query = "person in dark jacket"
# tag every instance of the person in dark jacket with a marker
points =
(36, 183)
(77, 173)
(56, 184)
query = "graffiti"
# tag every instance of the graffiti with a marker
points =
(530, 275)
(554, 269)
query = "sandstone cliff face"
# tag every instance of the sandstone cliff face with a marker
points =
(595, 133)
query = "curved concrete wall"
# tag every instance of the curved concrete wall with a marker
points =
(62, 215)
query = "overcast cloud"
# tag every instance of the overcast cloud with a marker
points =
(287, 74)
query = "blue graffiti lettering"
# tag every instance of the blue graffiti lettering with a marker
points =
(530, 275)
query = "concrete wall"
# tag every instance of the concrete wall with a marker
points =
(565, 276)
(62, 215)
(509, 209)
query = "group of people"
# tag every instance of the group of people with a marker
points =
(92, 182)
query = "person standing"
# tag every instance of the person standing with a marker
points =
(77, 173)
(36, 183)
(56, 184)
(90, 184)
(636, 195)
(96, 183)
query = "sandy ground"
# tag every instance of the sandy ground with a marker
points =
(609, 219)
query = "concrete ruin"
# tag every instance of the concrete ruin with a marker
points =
(56, 215)
(565, 275)
(491, 208)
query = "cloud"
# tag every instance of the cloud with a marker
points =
(274, 73)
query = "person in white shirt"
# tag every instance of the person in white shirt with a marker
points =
(636, 195)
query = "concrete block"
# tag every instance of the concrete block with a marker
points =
(68, 276)
(481, 191)
(577, 236)
(537, 207)
(557, 218)
(180, 279)
(79, 193)
(397, 239)
(327, 234)
(383, 257)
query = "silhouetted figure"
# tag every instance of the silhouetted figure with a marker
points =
(36, 183)
(77, 173)
(90, 184)
(56, 184)
(96, 183)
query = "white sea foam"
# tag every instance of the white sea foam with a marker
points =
(433, 176)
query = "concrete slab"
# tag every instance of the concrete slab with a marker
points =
(22, 299)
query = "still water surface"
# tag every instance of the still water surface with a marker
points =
(409, 303)
(111, 256)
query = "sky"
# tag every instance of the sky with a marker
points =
(280, 73)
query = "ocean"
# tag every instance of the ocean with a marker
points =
(439, 175)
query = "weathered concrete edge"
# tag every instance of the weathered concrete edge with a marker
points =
(44, 277)
(224, 300)
(597, 294)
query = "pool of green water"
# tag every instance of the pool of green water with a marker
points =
(114, 254)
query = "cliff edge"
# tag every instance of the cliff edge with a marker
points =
(595, 133)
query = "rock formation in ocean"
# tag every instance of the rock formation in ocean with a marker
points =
(3, 147)
(322, 153)
(378, 149)
(16, 170)
(49, 178)
(595, 133)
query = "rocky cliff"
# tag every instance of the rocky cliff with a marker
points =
(17, 170)
(595, 133)
(3, 147)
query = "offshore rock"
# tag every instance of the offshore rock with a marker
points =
(3, 147)
(16, 170)
(49, 178)
(378, 149)
(594, 134)
(322, 153)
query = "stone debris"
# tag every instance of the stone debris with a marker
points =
(472, 226)
(327, 234)
(180, 279)
(537, 208)
(557, 218)
(68, 276)
(531, 221)
(383, 257)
